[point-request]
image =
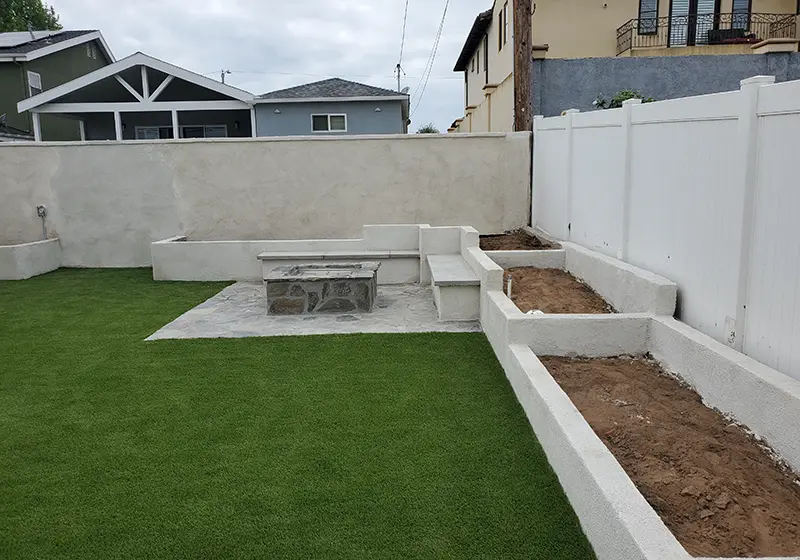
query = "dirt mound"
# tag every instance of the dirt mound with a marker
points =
(718, 490)
(515, 241)
(552, 290)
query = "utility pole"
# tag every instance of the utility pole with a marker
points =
(398, 70)
(523, 58)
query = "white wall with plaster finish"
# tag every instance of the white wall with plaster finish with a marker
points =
(26, 260)
(108, 201)
(700, 190)
(396, 247)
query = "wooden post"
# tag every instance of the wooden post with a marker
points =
(37, 126)
(118, 125)
(523, 58)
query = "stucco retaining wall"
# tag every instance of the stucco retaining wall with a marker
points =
(108, 201)
(25, 260)
(177, 258)
(628, 288)
(616, 518)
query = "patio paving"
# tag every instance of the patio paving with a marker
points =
(240, 311)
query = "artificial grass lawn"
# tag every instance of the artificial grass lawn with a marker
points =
(367, 446)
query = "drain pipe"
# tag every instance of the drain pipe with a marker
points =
(41, 211)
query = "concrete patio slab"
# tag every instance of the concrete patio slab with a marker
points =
(240, 311)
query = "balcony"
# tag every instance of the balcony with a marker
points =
(704, 29)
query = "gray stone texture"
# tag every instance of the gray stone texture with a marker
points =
(240, 311)
(561, 84)
(322, 288)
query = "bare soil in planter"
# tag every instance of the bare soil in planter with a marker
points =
(718, 490)
(515, 241)
(552, 290)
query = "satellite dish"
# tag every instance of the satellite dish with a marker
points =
(405, 90)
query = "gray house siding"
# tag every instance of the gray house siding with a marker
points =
(294, 119)
(560, 84)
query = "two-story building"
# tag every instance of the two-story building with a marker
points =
(35, 61)
(579, 29)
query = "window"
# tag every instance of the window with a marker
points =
(153, 132)
(741, 14)
(505, 23)
(500, 30)
(34, 84)
(94, 52)
(88, 50)
(329, 123)
(473, 63)
(478, 57)
(187, 131)
(648, 17)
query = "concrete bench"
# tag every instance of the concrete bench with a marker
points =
(456, 288)
(397, 267)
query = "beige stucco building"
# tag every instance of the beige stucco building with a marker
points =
(598, 28)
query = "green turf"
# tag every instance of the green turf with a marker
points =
(367, 446)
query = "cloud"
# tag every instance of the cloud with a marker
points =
(271, 45)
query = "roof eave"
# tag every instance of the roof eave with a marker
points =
(259, 101)
(477, 32)
(60, 46)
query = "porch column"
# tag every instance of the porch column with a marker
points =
(175, 126)
(253, 122)
(82, 128)
(118, 125)
(37, 127)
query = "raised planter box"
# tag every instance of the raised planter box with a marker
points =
(616, 518)
(25, 260)
(627, 288)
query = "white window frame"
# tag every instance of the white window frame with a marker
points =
(138, 128)
(181, 129)
(204, 126)
(505, 23)
(329, 115)
(30, 83)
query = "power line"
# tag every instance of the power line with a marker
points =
(265, 73)
(398, 71)
(431, 60)
(403, 40)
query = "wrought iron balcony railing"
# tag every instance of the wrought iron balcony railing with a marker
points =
(704, 29)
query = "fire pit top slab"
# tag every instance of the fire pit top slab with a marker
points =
(323, 272)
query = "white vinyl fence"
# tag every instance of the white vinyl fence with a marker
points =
(703, 190)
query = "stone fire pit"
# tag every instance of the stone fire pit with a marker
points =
(322, 288)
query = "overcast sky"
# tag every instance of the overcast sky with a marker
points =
(271, 44)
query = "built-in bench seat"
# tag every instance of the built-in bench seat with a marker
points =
(397, 267)
(336, 255)
(456, 288)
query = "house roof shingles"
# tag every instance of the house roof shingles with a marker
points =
(331, 88)
(31, 46)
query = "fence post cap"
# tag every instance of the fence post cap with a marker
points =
(758, 80)
(633, 101)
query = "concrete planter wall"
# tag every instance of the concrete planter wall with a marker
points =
(616, 518)
(18, 262)
(396, 247)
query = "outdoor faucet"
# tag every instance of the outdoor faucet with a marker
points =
(41, 211)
